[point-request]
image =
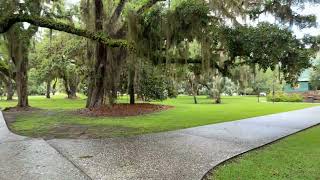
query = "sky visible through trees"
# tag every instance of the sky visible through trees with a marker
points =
(308, 9)
(154, 49)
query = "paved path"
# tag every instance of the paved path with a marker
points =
(183, 154)
(32, 159)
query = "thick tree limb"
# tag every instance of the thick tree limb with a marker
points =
(7, 22)
(117, 12)
(148, 5)
(224, 70)
(121, 32)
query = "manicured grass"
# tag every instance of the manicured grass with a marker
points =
(184, 115)
(295, 157)
(58, 101)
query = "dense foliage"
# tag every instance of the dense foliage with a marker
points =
(150, 49)
(152, 84)
(284, 97)
(315, 76)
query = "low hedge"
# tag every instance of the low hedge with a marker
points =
(284, 97)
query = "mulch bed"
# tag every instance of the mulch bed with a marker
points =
(122, 110)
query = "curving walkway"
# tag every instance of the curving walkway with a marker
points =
(183, 154)
(30, 158)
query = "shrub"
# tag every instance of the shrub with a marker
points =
(248, 91)
(152, 84)
(171, 89)
(284, 97)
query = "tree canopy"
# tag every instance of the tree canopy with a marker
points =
(135, 46)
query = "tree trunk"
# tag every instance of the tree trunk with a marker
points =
(96, 93)
(218, 99)
(194, 92)
(22, 83)
(72, 91)
(10, 90)
(105, 77)
(70, 87)
(131, 85)
(48, 89)
(218, 82)
(18, 42)
(54, 87)
(96, 87)
(106, 69)
(195, 99)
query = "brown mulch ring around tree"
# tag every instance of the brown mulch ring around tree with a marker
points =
(122, 110)
(79, 131)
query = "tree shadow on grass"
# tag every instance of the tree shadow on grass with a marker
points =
(62, 129)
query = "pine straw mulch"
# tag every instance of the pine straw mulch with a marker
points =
(122, 110)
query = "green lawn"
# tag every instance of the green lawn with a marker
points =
(58, 101)
(184, 115)
(296, 157)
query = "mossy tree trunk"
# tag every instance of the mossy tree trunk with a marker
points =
(9, 89)
(19, 39)
(54, 87)
(70, 86)
(19, 55)
(131, 90)
(96, 94)
(96, 86)
(194, 87)
(22, 82)
(105, 75)
(48, 89)
(72, 93)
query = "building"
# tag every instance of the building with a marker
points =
(303, 84)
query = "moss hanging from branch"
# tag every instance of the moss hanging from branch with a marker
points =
(7, 22)
(148, 5)
(4, 69)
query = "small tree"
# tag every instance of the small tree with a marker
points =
(151, 84)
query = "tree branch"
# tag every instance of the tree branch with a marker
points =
(122, 31)
(148, 5)
(4, 69)
(224, 70)
(7, 22)
(117, 12)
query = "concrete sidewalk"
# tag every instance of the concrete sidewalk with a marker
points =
(183, 154)
(31, 159)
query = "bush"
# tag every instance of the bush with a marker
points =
(248, 91)
(284, 97)
(152, 84)
(171, 89)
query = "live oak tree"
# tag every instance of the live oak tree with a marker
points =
(19, 38)
(163, 35)
(108, 60)
(61, 57)
(98, 91)
(240, 44)
(284, 11)
(280, 49)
